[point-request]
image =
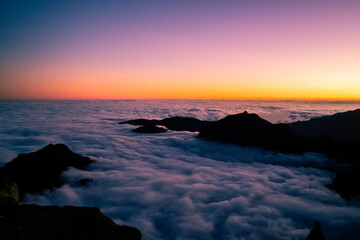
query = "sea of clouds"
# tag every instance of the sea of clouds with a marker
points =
(175, 186)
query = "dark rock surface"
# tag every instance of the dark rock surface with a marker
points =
(40, 170)
(28, 222)
(141, 121)
(340, 127)
(149, 128)
(84, 181)
(241, 129)
(173, 123)
(183, 124)
(9, 193)
(316, 233)
(346, 182)
(250, 130)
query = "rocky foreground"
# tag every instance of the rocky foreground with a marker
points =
(336, 136)
(27, 222)
(36, 172)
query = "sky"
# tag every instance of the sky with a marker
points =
(180, 49)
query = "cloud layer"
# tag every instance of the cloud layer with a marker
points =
(175, 186)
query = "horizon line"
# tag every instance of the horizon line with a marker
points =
(189, 99)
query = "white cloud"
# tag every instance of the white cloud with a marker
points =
(175, 186)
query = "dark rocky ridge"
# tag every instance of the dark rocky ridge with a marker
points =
(183, 124)
(149, 128)
(173, 123)
(340, 127)
(40, 170)
(336, 136)
(30, 222)
(250, 130)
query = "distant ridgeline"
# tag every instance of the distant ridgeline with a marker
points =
(336, 136)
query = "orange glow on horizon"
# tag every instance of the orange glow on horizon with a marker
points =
(37, 82)
(137, 89)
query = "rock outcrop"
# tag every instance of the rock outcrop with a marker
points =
(346, 181)
(173, 123)
(9, 193)
(30, 222)
(141, 121)
(340, 127)
(40, 170)
(34, 172)
(316, 233)
(250, 130)
(183, 124)
(149, 128)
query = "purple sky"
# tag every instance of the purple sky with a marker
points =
(180, 49)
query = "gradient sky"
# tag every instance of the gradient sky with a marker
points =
(180, 49)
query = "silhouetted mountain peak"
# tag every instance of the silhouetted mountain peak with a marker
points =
(250, 130)
(245, 117)
(316, 233)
